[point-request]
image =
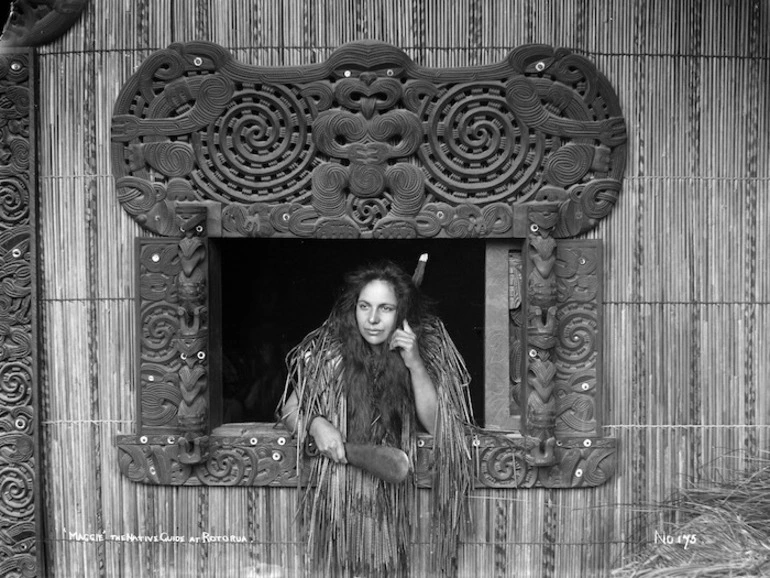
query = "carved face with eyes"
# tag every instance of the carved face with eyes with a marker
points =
(376, 312)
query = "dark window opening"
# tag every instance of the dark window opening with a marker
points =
(275, 291)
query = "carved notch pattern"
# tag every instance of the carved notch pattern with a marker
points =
(368, 144)
(18, 477)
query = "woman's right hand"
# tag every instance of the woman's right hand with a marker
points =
(328, 439)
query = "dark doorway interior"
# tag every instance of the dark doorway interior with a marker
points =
(275, 291)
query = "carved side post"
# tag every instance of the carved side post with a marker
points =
(541, 327)
(578, 352)
(20, 512)
(180, 397)
(191, 341)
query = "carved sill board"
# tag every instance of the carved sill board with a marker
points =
(266, 455)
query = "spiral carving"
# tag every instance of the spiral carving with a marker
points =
(14, 202)
(502, 467)
(479, 152)
(577, 334)
(15, 383)
(367, 181)
(367, 212)
(18, 147)
(17, 496)
(228, 466)
(329, 182)
(569, 164)
(406, 184)
(174, 159)
(160, 324)
(259, 149)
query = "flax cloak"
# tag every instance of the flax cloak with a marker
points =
(353, 523)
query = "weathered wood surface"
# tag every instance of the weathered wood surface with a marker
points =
(686, 286)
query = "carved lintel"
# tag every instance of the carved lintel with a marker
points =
(368, 144)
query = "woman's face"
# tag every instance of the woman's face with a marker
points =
(376, 312)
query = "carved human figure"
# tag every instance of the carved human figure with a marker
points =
(379, 369)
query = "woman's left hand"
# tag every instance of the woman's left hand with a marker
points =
(406, 341)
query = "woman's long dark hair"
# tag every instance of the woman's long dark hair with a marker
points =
(378, 387)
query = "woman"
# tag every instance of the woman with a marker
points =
(378, 369)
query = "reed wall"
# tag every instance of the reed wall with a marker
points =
(686, 284)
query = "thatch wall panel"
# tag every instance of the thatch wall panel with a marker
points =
(63, 226)
(762, 249)
(116, 259)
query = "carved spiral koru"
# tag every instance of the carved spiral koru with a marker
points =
(228, 466)
(15, 383)
(17, 496)
(502, 467)
(329, 183)
(160, 325)
(367, 212)
(478, 152)
(578, 326)
(259, 149)
(14, 201)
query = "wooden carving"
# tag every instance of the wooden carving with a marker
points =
(541, 325)
(174, 330)
(37, 22)
(18, 419)
(265, 455)
(368, 144)
(562, 363)
(578, 349)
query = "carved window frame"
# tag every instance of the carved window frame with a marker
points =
(361, 147)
